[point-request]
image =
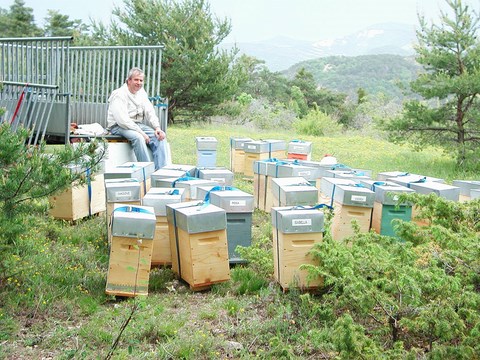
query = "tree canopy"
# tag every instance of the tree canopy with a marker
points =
(449, 113)
(18, 21)
(196, 74)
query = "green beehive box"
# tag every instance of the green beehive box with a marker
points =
(383, 216)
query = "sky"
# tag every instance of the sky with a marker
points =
(258, 20)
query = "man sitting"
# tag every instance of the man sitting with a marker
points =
(128, 107)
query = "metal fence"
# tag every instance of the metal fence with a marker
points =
(29, 106)
(83, 78)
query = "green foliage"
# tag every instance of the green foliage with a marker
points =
(261, 82)
(374, 111)
(260, 115)
(197, 75)
(18, 21)
(448, 117)
(259, 254)
(406, 293)
(247, 281)
(29, 174)
(317, 123)
(372, 73)
(65, 265)
(28, 177)
(57, 24)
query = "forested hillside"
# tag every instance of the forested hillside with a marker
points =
(373, 73)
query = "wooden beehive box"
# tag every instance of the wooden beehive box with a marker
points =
(269, 198)
(295, 232)
(250, 159)
(78, 202)
(199, 245)
(125, 191)
(129, 172)
(173, 231)
(259, 190)
(417, 219)
(130, 250)
(162, 254)
(158, 198)
(124, 278)
(203, 258)
(237, 154)
(238, 160)
(147, 170)
(344, 215)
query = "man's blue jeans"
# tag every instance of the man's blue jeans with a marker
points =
(140, 146)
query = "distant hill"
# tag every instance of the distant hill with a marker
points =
(280, 53)
(374, 73)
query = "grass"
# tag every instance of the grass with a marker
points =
(53, 304)
(353, 150)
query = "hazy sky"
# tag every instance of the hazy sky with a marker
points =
(254, 20)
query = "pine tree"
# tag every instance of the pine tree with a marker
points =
(448, 114)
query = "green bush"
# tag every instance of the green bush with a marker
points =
(317, 123)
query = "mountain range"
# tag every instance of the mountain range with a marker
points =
(280, 53)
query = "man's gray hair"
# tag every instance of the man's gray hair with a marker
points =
(134, 71)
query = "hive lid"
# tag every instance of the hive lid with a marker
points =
(133, 221)
(297, 219)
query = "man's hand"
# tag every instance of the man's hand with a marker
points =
(145, 136)
(159, 134)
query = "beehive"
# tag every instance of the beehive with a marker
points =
(387, 207)
(299, 150)
(328, 186)
(133, 229)
(282, 169)
(188, 170)
(200, 244)
(206, 150)
(148, 168)
(223, 177)
(262, 150)
(158, 198)
(260, 182)
(291, 191)
(125, 191)
(295, 232)
(383, 216)
(239, 208)
(190, 185)
(237, 154)
(79, 201)
(158, 177)
(341, 227)
(128, 172)
(408, 179)
(445, 191)
(354, 174)
(351, 203)
(466, 186)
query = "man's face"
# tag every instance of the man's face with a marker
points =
(135, 83)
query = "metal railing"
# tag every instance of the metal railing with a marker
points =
(29, 106)
(83, 78)
(96, 71)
